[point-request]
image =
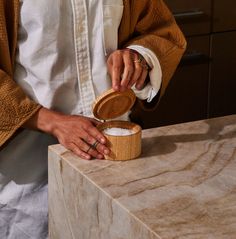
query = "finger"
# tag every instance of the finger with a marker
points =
(137, 74)
(94, 121)
(100, 148)
(85, 150)
(128, 69)
(91, 134)
(94, 153)
(82, 145)
(75, 149)
(141, 81)
(117, 68)
(89, 139)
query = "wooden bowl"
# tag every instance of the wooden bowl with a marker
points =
(123, 147)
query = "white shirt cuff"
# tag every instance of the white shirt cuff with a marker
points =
(155, 74)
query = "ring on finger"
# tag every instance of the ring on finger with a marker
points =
(94, 145)
(141, 61)
(90, 146)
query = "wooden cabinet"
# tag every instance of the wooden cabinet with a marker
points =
(224, 15)
(222, 82)
(204, 84)
(187, 92)
(194, 17)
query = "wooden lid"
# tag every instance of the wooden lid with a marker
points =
(113, 104)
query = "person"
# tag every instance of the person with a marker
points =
(56, 57)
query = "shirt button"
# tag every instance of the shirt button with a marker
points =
(80, 28)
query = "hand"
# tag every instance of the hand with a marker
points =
(77, 133)
(127, 68)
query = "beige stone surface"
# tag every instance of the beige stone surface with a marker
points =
(182, 186)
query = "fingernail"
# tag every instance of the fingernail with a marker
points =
(139, 87)
(100, 156)
(102, 140)
(116, 87)
(106, 151)
(86, 156)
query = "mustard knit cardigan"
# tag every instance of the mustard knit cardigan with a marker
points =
(148, 23)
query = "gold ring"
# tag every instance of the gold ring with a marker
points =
(139, 60)
(142, 62)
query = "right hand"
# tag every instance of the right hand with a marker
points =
(75, 132)
(127, 68)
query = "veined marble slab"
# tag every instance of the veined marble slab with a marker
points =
(182, 186)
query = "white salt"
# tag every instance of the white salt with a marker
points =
(118, 131)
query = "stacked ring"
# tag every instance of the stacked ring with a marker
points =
(94, 145)
(142, 62)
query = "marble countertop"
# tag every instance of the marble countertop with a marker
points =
(182, 186)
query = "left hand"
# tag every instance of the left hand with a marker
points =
(127, 68)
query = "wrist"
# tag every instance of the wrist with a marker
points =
(43, 120)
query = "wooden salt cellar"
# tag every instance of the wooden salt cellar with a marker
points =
(113, 104)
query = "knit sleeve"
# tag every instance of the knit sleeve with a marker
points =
(15, 107)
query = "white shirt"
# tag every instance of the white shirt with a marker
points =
(62, 56)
